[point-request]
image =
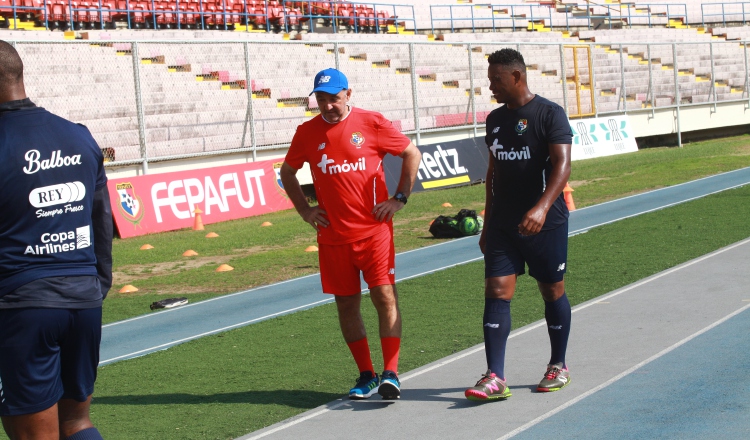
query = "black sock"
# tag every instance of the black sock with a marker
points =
(557, 314)
(87, 434)
(496, 331)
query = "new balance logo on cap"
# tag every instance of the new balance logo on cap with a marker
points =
(324, 79)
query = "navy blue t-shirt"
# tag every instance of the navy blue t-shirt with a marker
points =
(50, 169)
(518, 140)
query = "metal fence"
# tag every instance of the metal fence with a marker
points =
(164, 100)
(567, 16)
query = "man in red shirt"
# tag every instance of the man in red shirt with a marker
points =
(345, 147)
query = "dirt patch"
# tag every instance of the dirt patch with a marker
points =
(576, 183)
(742, 150)
(134, 272)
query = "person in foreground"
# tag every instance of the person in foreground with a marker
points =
(345, 146)
(55, 265)
(526, 219)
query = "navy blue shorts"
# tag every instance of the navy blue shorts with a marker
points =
(47, 355)
(507, 252)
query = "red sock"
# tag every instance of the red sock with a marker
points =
(391, 347)
(361, 352)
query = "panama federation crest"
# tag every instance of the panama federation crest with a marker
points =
(131, 206)
(277, 174)
(522, 125)
(357, 139)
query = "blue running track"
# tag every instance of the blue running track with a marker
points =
(158, 331)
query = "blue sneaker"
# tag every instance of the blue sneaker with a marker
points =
(390, 387)
(366, 386)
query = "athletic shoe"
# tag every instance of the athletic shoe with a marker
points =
(390, 387)
(366, 386)
(555, 378)
(168, 303)
(489, 387)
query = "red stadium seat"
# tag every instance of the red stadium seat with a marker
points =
(121, 7)
(260, 17)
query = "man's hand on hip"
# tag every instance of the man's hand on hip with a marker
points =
(315, 216)
(384, 211)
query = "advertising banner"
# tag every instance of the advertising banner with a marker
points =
(465, 161)
(597, 137)
(165, 202)
(443, 165)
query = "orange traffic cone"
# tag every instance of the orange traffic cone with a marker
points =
(198, 222)
(567, 193)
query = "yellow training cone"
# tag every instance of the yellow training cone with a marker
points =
(212, 235)
(146, 247)
(311, 249)
(447, 205)
(224, 268)
(128, 288)
(264, 224)
(189, 253)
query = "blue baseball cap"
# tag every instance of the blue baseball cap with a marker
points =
(330, 81)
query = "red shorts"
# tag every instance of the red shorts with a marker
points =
(340, 265)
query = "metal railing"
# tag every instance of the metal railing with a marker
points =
(271, 16)
(354, 16)
(518, 16)
(731, 9)
(158, 105)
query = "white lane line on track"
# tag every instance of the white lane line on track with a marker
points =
(278, 284)
(572, 233)
(283, 312)
(668, 188)
(630, 370)
(229, 327)
(659, 208)
(208, 301)
(526, 329)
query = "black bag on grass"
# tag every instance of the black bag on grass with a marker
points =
(463, 224)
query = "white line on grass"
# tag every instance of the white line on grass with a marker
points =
(630, 370)
(445, 361)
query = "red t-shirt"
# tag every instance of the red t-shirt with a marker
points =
(346, 161)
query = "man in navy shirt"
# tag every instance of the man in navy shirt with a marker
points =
(55, 266)
(526, 219)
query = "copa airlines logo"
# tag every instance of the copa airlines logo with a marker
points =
(57, 242)
(56, 160)
(500, 154)
(328, 166)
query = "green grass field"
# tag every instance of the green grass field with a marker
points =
(265, 255)
(226, 385)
